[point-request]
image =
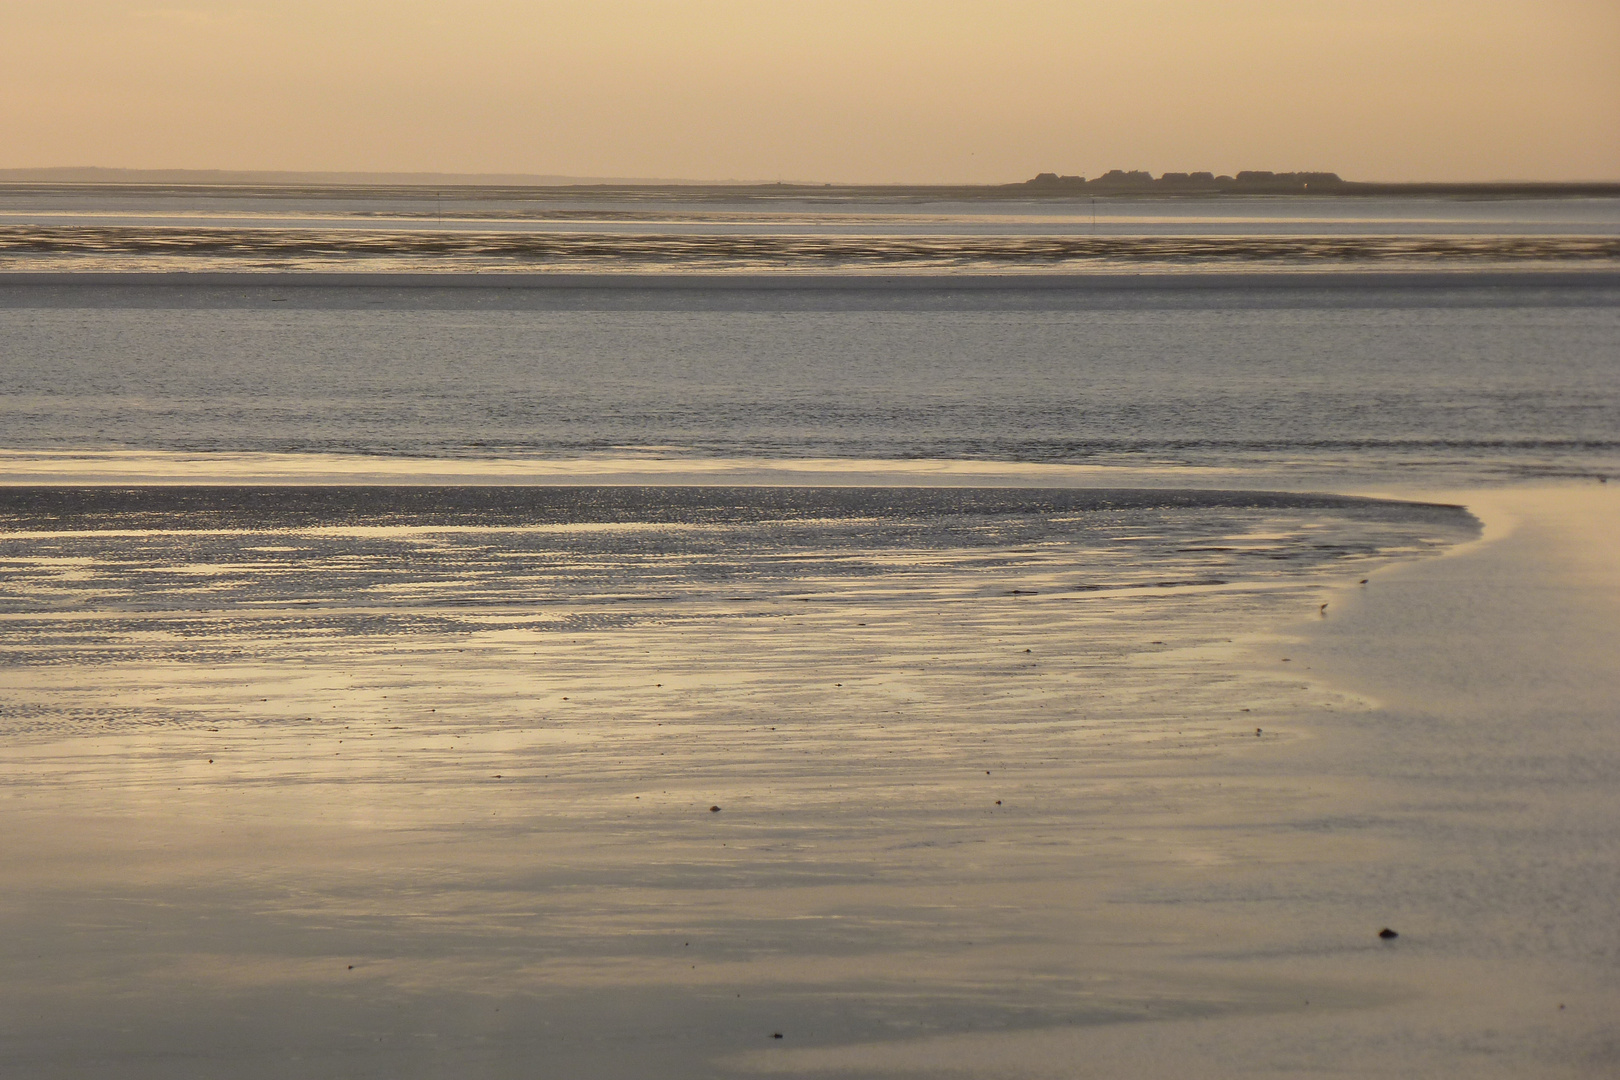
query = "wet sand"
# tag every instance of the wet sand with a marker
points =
(1471, 799)
(935, 853)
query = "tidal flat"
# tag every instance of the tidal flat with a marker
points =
(382, 782)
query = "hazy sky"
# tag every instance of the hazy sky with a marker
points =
(844, 90)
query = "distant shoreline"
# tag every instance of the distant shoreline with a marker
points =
(509, 186)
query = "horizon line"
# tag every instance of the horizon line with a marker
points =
(345, 177)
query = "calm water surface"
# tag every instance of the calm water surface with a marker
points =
(1429, 381)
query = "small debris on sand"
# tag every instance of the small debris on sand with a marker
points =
(1387, 934)
(714, 809)
(778, 1034)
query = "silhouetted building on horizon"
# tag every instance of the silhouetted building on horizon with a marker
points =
(1122, 179)
(1052, 179)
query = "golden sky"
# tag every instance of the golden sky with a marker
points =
(836, 90)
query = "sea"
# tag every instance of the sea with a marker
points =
(642, 610)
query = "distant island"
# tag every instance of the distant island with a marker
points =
(1117, 182)
(1257, 182)
(1250, 181)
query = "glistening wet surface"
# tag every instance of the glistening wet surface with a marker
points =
(469, 742)
(192, 248)
(155, 228)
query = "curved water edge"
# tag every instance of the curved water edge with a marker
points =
(258, 570)
(903, 700)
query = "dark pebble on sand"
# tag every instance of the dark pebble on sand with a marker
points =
(1387, 934)
(776, 1034)
(714, 809)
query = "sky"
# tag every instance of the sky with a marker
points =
(861, 91)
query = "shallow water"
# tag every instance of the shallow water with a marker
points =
(131, 575)
(1335, 380)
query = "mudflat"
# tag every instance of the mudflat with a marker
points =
(1150, 844)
